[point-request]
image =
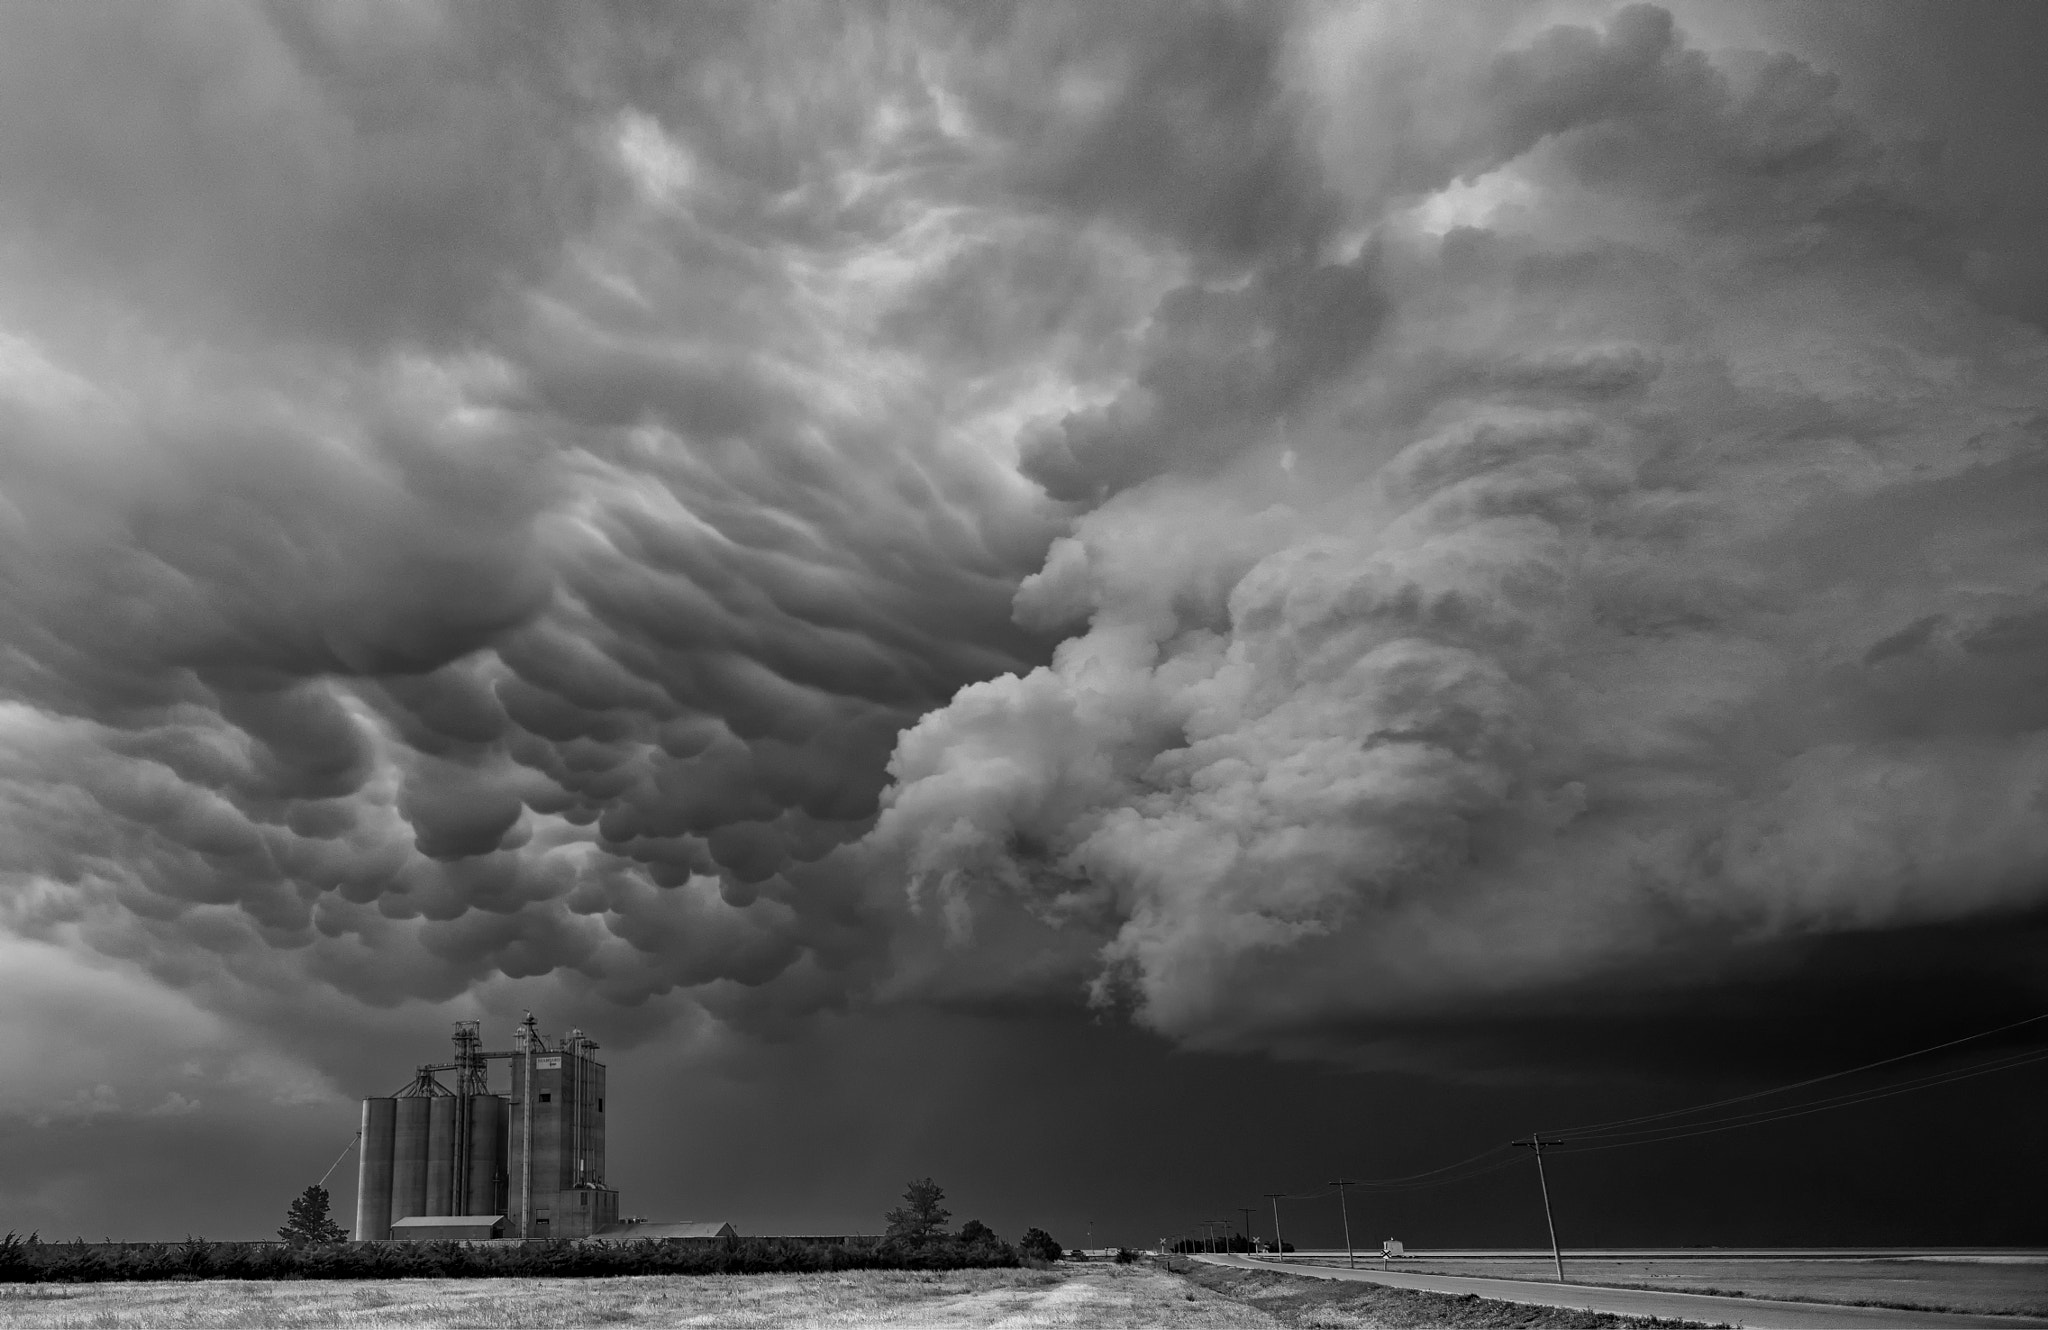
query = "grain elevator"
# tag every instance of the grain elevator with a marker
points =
(530, 1158)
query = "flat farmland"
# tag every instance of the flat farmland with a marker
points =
(1098, 1296)
(1149, 1294)
(2003, 1285)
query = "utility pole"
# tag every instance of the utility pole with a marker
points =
(1350, 1257)
(1246, 1211)
(1279, 1247)
(1536, 1143)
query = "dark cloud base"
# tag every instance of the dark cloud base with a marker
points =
(1780, 1010)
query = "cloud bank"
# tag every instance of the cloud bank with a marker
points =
(1651, 563)
(1280, 518)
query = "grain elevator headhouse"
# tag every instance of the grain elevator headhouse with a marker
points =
(459, 1159)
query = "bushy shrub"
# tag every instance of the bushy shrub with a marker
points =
(30, 1260)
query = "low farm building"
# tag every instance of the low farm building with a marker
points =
(441, 1228)
(706, 1232)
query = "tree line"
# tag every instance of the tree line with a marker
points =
(313, 1247)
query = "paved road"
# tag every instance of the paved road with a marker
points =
(1757, 1313)
(1993, 1255)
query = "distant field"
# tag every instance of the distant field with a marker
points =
(2004, 1287)
(856, 1298)
(1070, 1297)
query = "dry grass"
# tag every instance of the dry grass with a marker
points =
(1087, 1296)
(1331, 1304)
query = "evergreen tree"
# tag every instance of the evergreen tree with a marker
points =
(1040, 1244)
(920, 1216)
(307, 1223)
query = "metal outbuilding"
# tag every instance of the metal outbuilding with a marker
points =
(715, 1232)
(458, 1228)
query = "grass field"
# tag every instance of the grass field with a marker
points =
(1327, 1304)
(1143, 1295)
(2015, 1288)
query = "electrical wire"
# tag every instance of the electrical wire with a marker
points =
(1582, 1139)
(1806, 1110)
(1434, 1177)
(1430, 1173)
(1508, 1162)
(1848, 1097)
(1568, 1132)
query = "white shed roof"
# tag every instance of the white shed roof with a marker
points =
(688, 1228)
(448, 1221)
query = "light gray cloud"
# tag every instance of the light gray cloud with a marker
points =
(1640, 588)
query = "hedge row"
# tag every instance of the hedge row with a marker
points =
(30, 1260)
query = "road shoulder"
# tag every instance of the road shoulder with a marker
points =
(1755, 1313)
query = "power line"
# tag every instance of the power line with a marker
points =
(1831, 1101)
(1505, 1161)
(1568, 1138)
(1428, 1173)
(1800, 1111)
(1601, 1136)
(1796, 1085)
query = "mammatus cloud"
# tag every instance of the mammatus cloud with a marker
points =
(1659, 568)
(484, 492)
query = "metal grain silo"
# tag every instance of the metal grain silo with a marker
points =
(373, 1171)
(441, 1143)
(486, 1156)
(409, 1157)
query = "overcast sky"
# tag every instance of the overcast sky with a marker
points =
(1123, 604)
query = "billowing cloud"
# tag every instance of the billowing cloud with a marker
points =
(484, 492)
(481, 492)
(1659, 570)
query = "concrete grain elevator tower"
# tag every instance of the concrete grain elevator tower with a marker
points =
(534, 1156)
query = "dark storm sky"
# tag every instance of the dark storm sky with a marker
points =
(1125, 605)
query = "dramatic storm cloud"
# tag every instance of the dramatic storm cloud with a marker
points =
(728, 522)
(1624, 540)
(479, 497)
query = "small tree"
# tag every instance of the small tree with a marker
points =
(307, 1224)
(1038, 1243)
(920, 1216)
(975, 1232)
